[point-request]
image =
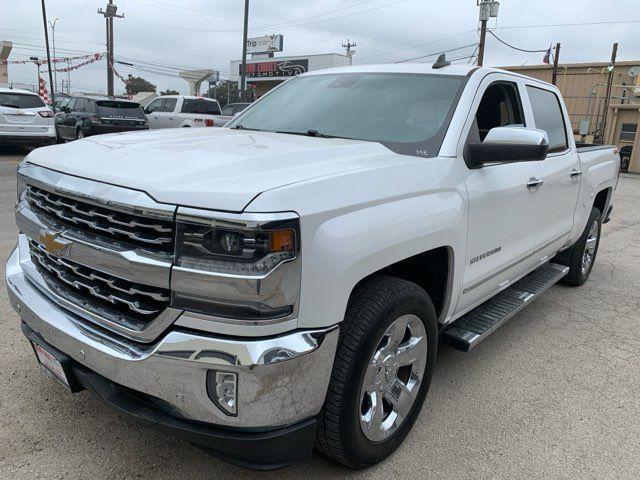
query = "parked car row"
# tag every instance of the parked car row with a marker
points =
(26, 120)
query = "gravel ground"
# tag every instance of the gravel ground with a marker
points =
(555, 393)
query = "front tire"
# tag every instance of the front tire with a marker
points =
(381, 374)
(582, 254)
(79, 133)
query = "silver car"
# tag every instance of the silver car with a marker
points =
(25, 119)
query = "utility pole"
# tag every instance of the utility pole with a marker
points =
(607, 97)
(350, 52)
(46, 41)
(109, 13)
(243, 73)
(556, 56)
(53, 38)
(488, 9)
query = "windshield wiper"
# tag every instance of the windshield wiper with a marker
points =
(10, 105)
(242, 127)
(312, 133)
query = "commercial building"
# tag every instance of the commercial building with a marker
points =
(583, 86)
(265, 73)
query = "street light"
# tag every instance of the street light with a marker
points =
(53, 35)
(36, 60)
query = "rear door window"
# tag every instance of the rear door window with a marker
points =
(547, 115)
(20, 100)
(80, 105)
(169, 105)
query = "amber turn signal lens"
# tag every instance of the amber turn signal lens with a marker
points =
(281, 240)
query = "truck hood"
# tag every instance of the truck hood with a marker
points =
(215, 168)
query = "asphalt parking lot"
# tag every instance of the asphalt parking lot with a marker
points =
(555, 393)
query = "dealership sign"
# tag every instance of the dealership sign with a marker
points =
(283, 68)
(266, 44)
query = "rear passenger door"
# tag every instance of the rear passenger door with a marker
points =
(561, 169)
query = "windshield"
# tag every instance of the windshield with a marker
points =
(20, 100)
(406, 112)
(114, 108)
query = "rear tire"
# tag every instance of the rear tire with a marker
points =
(381, 374)
(79, 133)
(582, 255)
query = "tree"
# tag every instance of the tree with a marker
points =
(139, 84)
(227, 92)
(168, 91)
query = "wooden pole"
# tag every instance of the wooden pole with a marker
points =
(556, 55)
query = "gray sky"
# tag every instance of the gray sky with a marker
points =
(162, 36)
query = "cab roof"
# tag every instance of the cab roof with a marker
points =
(422, 68)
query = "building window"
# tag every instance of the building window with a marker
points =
(628, 132)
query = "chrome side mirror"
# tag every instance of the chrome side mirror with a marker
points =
(507, 145)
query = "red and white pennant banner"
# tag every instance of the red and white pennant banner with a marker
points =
(55, 60)
(95, 58)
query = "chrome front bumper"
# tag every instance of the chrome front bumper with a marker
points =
(281, 380)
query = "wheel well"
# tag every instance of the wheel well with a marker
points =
(600, 201)
(430, 270)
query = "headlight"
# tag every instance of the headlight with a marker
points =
(242, 267)
(226, 248)
(21, 183)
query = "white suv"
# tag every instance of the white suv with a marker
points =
(25, 119)
(170, 111)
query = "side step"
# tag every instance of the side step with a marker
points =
(470, 329)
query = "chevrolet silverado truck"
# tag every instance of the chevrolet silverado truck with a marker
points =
(283, 282)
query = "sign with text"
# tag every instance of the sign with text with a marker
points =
(266, 44)
(284, 68)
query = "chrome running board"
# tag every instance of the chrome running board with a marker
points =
(473, 327)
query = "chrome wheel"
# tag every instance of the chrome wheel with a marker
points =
(393, 377)
(590, 247)
(80, 135)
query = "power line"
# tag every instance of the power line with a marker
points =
(578, 24)
(437, 53)
(515, 48)
(293, 24)
(421, 44)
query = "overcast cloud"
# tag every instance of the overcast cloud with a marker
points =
(207, 33)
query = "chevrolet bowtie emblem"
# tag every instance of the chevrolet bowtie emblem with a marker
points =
(51, 243)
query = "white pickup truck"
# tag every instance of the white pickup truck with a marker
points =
(284, 282)
(175, 111)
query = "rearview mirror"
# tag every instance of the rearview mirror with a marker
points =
(507, 145)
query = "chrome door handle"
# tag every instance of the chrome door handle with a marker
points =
(534, 183)
(575, 173)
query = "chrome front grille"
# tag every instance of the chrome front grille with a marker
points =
(152, 234)
(128, 304)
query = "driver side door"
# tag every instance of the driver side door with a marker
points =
(504, 201)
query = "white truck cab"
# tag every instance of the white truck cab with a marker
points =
(171, 111)
(283, 282)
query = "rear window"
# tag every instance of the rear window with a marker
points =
(120, 109)
(20, 100)
(194, 105)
